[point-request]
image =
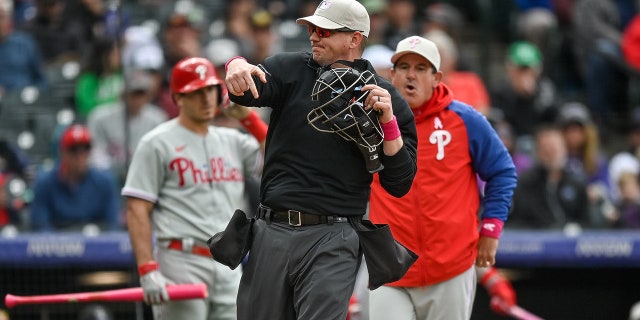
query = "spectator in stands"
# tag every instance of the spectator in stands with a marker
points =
(74, 194)
(219, 51)
(378, 20)
(101, 81)
(536, 22)
(380, 57)
(587, 160)
(628, 159)
(598, 27)
(58, 39)
(237, 23)
(142, 51)
(180, 39)
(629, 203)
(117, 128)
(526, 97)
(88, 14)
(181, 34)
(20, 58)
(467, 85)
(522, 160)
(442, 16)
(13, 160)
(149, 58)
(549, 196)
(8, 211)
(265, 41)
(402, 21)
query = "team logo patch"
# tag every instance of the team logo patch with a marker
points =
(414, 42)
(201, 70)
(439, 137)
(324, 5)
(489, 226)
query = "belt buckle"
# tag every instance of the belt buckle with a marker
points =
(187, 244)
(294, 214)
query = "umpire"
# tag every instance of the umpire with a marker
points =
(304, 257)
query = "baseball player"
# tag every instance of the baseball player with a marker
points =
(438, 217)
(185, 180)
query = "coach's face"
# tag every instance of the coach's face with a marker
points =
(200, 105)
(415, 78)
(330, 45)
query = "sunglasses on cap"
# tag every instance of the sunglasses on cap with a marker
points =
(325, 33)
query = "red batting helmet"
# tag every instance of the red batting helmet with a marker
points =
(191, 74)
(76, 134)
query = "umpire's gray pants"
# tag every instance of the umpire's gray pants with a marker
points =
(303, 273)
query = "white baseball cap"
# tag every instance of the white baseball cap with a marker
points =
(418, 45)
(148, 56)
(379, 55)
(336, 14)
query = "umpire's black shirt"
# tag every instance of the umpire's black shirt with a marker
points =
(313, 171)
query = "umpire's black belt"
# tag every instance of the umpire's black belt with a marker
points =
(296, 218)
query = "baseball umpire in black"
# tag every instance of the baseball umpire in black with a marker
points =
(305, 255)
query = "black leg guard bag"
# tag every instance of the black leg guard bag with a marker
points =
(230, 246)
(387, 259)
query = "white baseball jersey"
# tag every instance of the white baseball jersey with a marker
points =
(196, 182)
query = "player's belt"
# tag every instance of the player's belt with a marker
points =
(296, 218)
(188, 245)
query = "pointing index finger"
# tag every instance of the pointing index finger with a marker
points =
(252, 86)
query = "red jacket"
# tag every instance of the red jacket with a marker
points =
(438, 218)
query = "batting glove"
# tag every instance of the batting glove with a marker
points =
(154, 284)
(503, 296)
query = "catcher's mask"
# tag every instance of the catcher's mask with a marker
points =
(341, 108)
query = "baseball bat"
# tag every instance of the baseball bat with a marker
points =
(514, 311)
(522, 314)
(176, 292)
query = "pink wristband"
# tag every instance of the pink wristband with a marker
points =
(491, 227)
(229, 61)
(390, 130)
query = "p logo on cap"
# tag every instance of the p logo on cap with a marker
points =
(420, 46)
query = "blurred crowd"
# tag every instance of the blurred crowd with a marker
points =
(82, 80)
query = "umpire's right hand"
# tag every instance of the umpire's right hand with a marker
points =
(238, 78)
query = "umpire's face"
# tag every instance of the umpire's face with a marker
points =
(416, 78)
(329, 46)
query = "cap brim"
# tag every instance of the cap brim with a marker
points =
(319, 21)
(198, 84)
(138, 88)
(397, 56)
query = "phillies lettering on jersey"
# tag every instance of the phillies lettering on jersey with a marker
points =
(217, 172)
(194, 181)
